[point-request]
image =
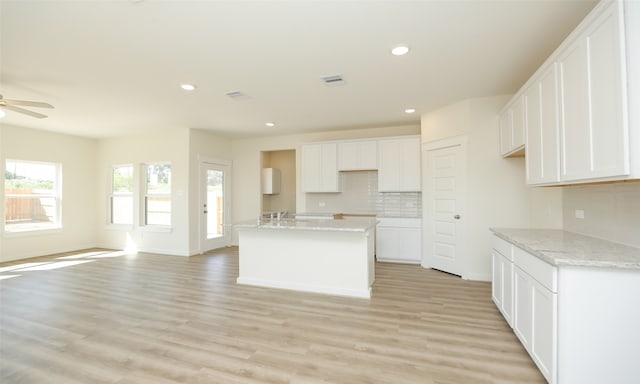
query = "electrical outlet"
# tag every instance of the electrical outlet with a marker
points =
(579, 214)
(321, 204)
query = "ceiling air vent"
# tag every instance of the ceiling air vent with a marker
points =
(333, 80)
(238, 95)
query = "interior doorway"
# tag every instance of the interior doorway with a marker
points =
(284, 200)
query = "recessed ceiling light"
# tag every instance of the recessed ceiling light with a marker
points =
(410, 110)
(400, 50)
(188, 87)
(270, 124)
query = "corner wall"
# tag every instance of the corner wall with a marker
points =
(78, 158)
(497, 195)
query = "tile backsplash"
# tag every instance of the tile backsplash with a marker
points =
(360, 196)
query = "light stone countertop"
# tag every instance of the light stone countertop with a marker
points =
(562, 248)
(351, 225)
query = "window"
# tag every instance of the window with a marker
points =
(122, 195)
(32, 196)
(157, 198)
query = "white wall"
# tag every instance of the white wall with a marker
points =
(78, 159)
(611, 211)
(497, 195)
(170, 146)
(202, 146)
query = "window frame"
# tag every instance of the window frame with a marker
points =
(144, 176)
(112, 194)
(56, 195)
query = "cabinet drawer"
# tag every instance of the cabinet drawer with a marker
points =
(545, 274)
(503, 247)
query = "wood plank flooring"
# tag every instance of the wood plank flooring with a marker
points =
(115, 318)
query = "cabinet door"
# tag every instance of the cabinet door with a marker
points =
(522, 308)
(329, 168)
(399, 244)
(550, 127)
(543, 349)
(502, 285)
(506, 131)
(517, 135)
(358, 155)
(348, 156)
(319, 168)
(595, 133)
(312, 167)
(534, 158)
(497, 278)
(542, 131)
(609, 129)
(399, 165)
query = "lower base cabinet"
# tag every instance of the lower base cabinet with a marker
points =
(535, 321)
(579, 324)
(399, 240)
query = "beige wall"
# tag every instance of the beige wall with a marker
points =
(285, 161)
(77, 156)
(497, 195)
(611, 211)
(203, 146)
(171, 146)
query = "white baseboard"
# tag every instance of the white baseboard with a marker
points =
(48, 251)
(477, 276)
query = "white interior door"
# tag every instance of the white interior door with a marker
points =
(214, 206)
(443, 205)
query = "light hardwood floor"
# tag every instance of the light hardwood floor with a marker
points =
(160, 319)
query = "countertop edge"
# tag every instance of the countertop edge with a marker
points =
(554, 256)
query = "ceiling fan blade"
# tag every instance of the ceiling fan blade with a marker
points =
(26, 103)
(24, 111)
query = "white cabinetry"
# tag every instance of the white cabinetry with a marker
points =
(320, 167)
(502, 281)
(512, 128)
(535, 306)
(399, 240)
(580, 122)
(357, 155)
(399, 165)
(593, 99)
(542, 129)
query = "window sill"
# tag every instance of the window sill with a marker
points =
(156, 228)
(33, 232)
(119, 227)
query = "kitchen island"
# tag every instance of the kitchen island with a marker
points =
(325, 256)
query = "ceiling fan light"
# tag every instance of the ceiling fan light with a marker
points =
(2, 114)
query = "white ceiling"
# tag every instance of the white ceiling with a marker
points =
(113, 68)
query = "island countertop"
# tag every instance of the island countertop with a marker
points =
(351, 225)
(562, 248)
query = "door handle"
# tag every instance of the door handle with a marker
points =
(457, 217)
(206, 211)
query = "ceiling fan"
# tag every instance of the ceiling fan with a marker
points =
(12, 105)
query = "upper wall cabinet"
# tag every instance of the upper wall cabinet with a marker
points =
(577, 120)
(593, 99)
(320, 167)
(358, 155)
(399, 165)
(543, 133)
(512, 128)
